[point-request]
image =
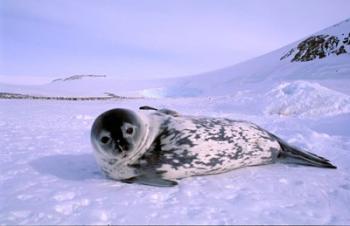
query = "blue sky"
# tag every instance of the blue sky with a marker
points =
(147, 39)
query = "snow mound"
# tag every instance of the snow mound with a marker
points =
(302, 98)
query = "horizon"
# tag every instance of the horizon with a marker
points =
(42, 41)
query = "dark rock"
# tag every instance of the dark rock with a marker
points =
(341, 50)
(319, 46)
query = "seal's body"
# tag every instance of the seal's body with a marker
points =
(163, 145)
(188, 146)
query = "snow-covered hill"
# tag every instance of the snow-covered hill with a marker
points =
(323, 57)
(79, 88)
(267, 71)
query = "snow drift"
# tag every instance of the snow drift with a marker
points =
(305, 98)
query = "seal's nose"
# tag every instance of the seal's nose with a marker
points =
(125, 147)
(121, 146)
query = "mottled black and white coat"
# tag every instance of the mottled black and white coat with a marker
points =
(188, 146)
(175, 146)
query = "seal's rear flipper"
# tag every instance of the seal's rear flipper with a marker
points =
(152, 181)
(290, 154)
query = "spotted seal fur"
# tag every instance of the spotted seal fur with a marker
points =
(156, 147)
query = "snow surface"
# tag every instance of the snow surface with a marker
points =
(49, 174)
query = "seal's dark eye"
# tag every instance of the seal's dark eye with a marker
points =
(105, 140)
(129, 130)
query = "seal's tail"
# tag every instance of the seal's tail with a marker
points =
(291, 154)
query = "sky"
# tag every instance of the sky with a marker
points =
(138, 39)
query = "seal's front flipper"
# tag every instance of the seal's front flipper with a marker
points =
(128, 180)
(148, 108)
(163, 110)
(151, 181)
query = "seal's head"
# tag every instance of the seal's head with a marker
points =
(118, 134)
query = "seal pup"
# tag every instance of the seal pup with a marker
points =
(156, 147)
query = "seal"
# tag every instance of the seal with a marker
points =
(156, 147)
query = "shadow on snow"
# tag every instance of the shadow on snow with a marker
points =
(68, 167)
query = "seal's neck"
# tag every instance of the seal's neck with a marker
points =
(151, 124)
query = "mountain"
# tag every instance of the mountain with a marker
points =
(306, 78)
(332, 41)
(323, 57)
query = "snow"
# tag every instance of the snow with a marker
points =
(49, 174)
(306, 99)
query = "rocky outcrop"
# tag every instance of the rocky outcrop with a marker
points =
(318, 47)
(77, 77)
